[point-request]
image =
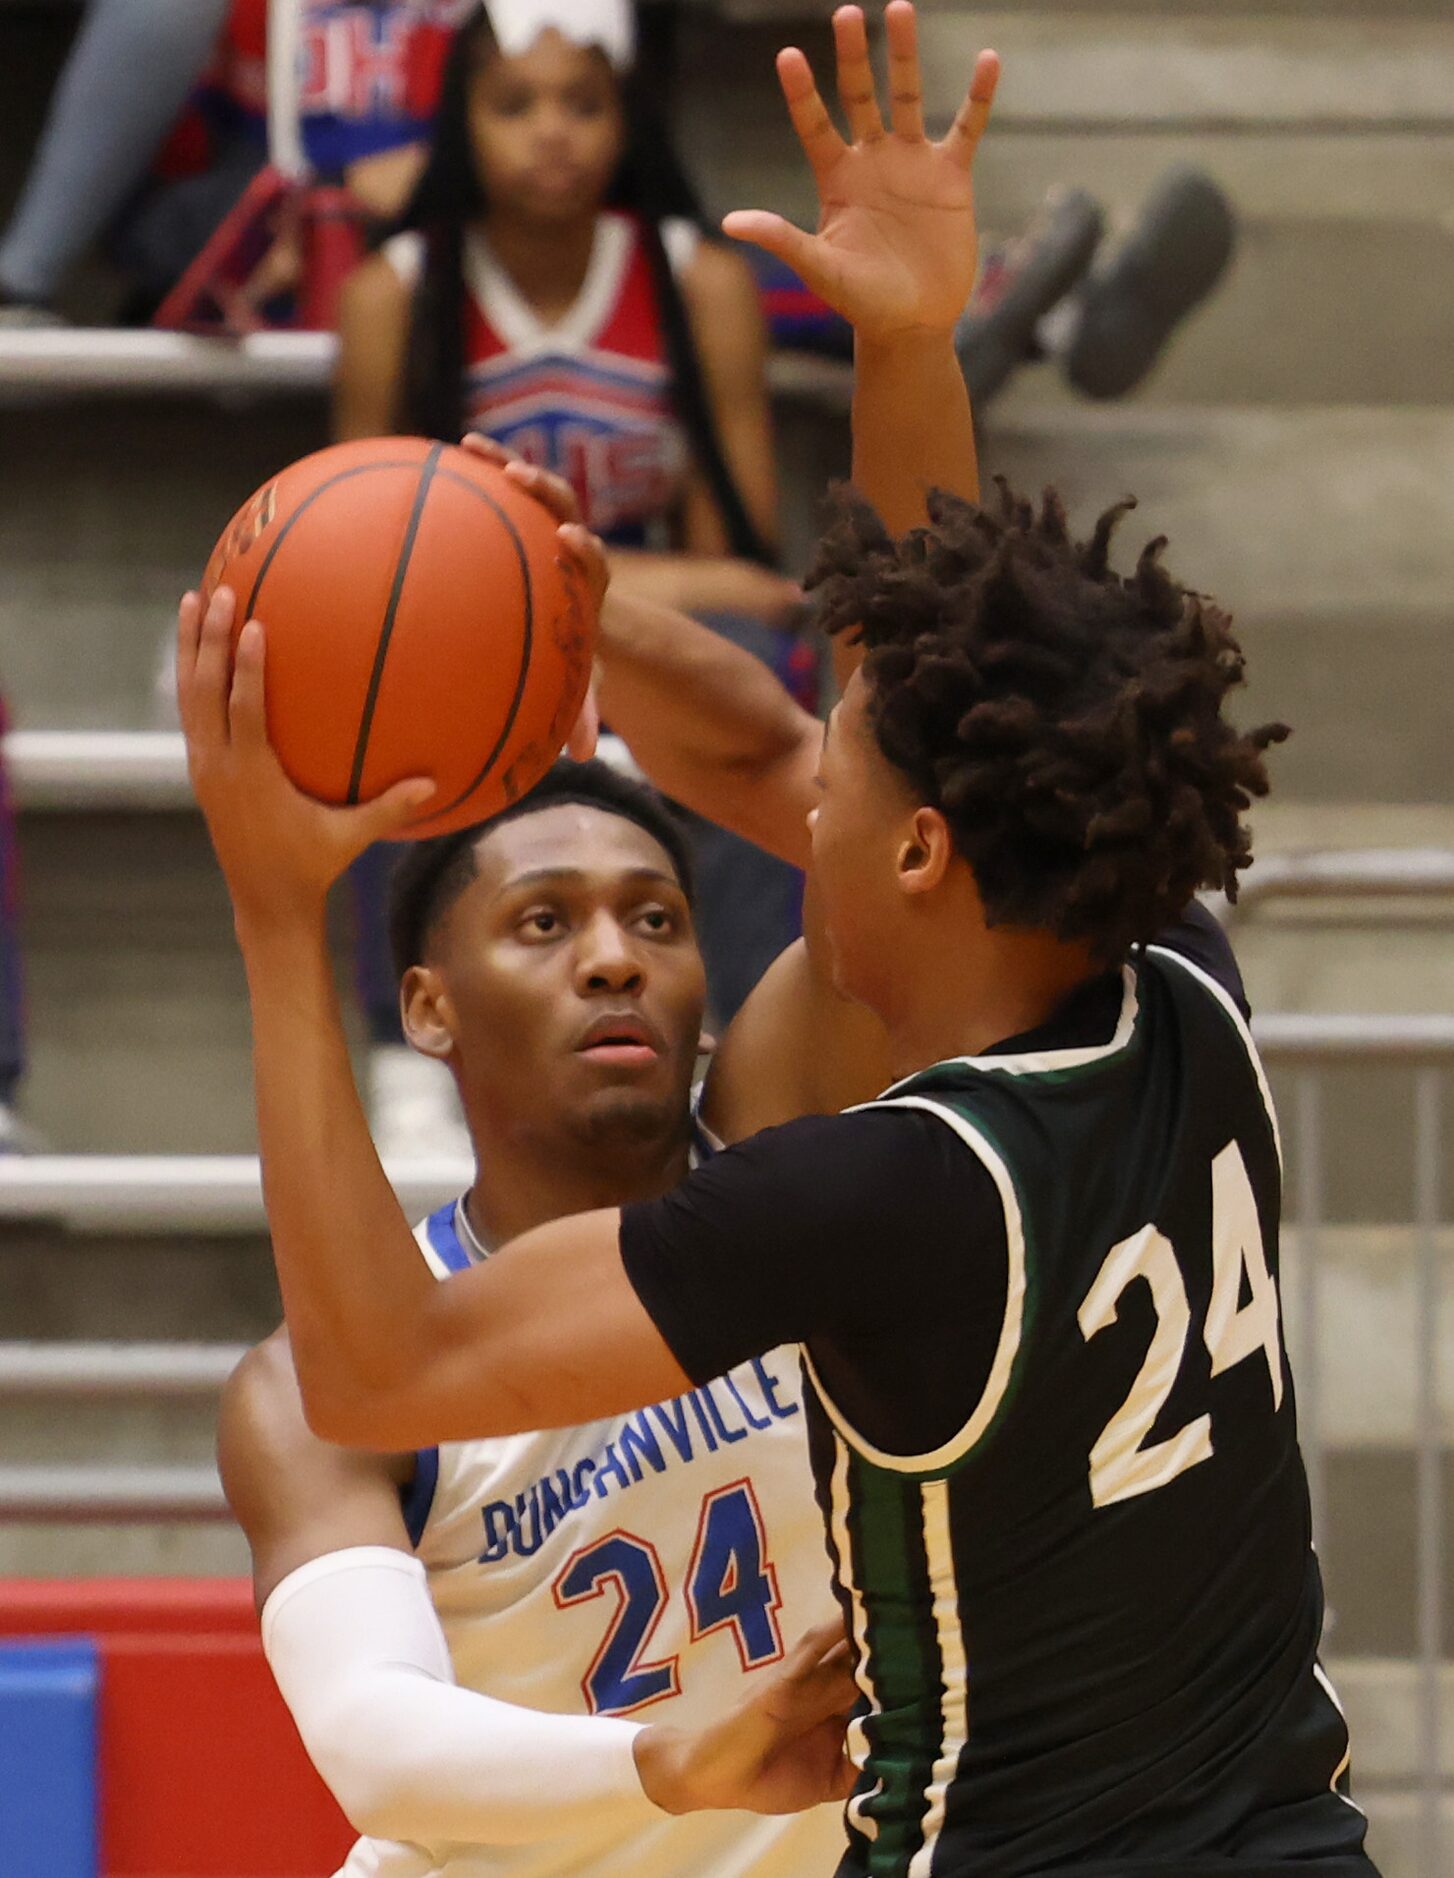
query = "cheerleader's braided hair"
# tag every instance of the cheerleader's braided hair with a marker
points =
(649, 182)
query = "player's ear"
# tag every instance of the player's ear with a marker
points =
(426, 1012)
(925, 851)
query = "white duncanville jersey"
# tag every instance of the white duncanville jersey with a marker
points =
(644, 1566)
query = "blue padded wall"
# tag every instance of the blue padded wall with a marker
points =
(48, 1700)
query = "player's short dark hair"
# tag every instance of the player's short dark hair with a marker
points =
(430, 874)
(1066, 719)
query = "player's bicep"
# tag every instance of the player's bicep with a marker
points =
(296, 1496)
(547, 1333)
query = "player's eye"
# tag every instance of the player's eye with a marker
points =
(659, 921)
(541, 922)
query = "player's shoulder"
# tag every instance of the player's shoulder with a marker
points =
(1198, 943)
(276, 1473)
(878, 1158)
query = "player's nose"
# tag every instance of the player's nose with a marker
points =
(606, 957)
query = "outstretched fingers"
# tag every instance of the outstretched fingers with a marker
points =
(385, 817)
(777, 236)
(553, 491)
(906, 84)
(817, 133)
(973, 115)
(817, 1673)
(857, 91)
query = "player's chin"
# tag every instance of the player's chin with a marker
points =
(630, 1113)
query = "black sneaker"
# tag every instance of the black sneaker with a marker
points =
(1019, 284)
(1169, 263)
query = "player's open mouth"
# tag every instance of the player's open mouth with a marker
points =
(622, 1042)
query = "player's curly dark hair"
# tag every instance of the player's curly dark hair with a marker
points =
(1065, 718)
(431, 874)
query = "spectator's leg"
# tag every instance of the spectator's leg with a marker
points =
(1118, 322)
(166, 226)
(128, 76)
(1018, 285)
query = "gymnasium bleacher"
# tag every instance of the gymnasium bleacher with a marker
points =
(1298, 447)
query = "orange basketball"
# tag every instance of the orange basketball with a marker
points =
(421, 620)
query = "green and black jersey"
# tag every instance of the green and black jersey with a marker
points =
(1054, 1439)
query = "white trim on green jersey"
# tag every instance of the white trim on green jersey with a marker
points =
(1229, 1005)
(953, 1668)
(1046, 1062)
(958, 1445)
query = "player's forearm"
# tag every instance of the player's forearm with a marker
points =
(912, 427)
(358, 1653)
(709, 723)
(354, 1290)
(913, 431)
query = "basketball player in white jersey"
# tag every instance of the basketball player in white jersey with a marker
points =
(471, 1638)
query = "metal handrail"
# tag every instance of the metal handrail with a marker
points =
(203, 1193)
(1308, 1037)
(68, 361)
(98, 769)
(1338, 873)
(133, 769)
(114, 1371)
(110, 1495)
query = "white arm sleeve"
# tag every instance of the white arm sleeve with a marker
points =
(358, 1653)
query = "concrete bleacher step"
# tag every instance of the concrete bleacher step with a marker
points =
(1328, 532)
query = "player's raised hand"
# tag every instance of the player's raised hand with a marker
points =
(896, 248)
(280, 850)
(779, 1750)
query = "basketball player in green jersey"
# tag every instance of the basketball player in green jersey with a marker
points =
(1035, 1283)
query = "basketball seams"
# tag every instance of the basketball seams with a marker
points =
(527, 639)
(359, 469)
(376, 714)
(391, 613)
